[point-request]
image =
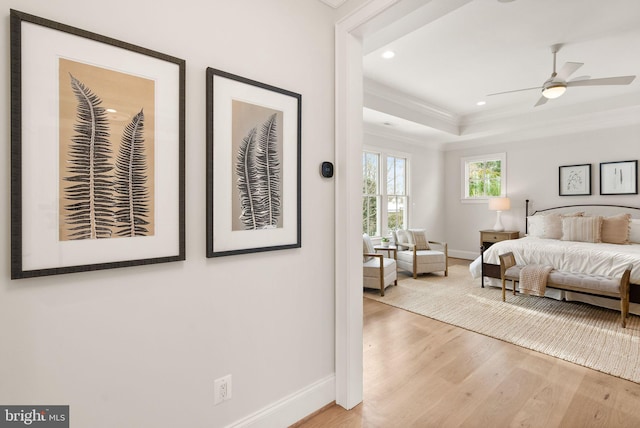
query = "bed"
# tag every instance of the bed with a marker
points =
(569, 238)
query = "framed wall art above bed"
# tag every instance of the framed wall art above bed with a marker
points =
(619, 178)
(574, 180)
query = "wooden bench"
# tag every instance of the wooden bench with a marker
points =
(597, 285)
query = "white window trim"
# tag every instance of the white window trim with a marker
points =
(464, 179)
(383, 153)
(380, 181)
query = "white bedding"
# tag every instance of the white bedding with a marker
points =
(598, 259)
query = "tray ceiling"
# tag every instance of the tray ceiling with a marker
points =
(444, 66)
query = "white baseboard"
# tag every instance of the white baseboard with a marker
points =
(459, 254)
(292, 408)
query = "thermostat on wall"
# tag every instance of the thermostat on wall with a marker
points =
(326, 169)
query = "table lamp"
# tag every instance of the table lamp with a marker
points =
(498, 205)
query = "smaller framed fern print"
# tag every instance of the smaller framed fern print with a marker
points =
(97, 151)
(253, 166)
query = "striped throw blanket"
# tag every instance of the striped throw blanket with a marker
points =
(533, 279)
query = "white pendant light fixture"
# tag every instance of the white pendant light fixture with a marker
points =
(553, 90)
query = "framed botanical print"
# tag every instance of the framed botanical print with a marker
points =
(619, 178)
(575, 180)
(97, 151)
(253, 166)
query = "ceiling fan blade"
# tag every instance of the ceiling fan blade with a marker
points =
(567, 70)
(575, 79)
(620, 80)
(541, 101)
(516, 90)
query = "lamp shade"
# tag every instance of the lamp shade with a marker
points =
(499, 204)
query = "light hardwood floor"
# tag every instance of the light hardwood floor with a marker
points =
(419, 372)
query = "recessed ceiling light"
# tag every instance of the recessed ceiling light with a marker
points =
(481, 103)
(388, 54)
(112, 110)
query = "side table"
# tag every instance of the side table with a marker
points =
(487, 239)
(388, 249)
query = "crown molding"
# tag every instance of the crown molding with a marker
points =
(419, 105)
(543, 127)
(386, 100)
(497, 126)
(385, 133)
(334, 3)
(514, 129)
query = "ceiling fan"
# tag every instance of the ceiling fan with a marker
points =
(557, 84)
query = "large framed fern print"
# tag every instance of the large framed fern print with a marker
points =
(97, 151)
(253, 166)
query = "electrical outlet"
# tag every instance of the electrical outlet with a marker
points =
(222, 389)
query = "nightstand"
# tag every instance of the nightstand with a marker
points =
(487, 239)
(490, 237)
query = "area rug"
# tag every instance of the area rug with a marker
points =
(576, 332)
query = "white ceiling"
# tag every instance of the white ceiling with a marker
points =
(451, 59)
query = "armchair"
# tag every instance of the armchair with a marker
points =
(378, 271)
(418, 255)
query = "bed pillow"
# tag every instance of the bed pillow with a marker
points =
(553, 224)
(615, 229)
(582, 229)
(573, 214)
(634, 231)
(536, 226)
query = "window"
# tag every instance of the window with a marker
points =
(396, 193)
(483, 177)
(378, 218)
(370, 194)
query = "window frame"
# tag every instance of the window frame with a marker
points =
(377, 195)
(383, 214)
(464, 168)
(388, 195)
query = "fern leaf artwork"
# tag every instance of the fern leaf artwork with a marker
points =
(132, 194)
(268, 170)
(247, 180)
(258, 171)
(90, 213)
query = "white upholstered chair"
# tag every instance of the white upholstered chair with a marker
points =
(417, 255)
(379, 271)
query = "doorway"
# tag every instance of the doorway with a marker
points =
(373, 25)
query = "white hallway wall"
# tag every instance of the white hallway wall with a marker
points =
(532, 173)
(142, 346)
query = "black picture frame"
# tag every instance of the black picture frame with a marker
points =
(619, 178)
(574, 180)
(247, 119)
(43, 241)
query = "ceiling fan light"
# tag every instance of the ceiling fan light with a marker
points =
(554, 91)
